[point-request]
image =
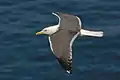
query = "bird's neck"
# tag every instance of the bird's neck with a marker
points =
(53, 29)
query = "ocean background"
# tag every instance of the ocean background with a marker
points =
(25, 56)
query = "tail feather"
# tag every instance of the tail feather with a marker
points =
(91, 33)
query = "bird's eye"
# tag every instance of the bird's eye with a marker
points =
(45, 30)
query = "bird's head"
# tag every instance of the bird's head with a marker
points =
(44, 31)
(47, 31)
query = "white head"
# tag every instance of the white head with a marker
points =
(49, 30)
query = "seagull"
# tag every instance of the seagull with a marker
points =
(62, 36)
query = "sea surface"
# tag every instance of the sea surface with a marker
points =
(25, 56)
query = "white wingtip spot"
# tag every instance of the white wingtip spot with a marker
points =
(68, 71)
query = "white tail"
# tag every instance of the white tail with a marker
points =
(91, 33)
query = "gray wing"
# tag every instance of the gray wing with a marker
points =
(61, 43)
(68, 22)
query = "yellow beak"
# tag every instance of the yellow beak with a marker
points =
(39, 33)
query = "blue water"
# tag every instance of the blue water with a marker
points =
(25, 56)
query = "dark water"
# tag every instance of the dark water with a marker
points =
(25, 56)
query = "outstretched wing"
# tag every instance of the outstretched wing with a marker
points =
(61, 46)
(68, 22)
